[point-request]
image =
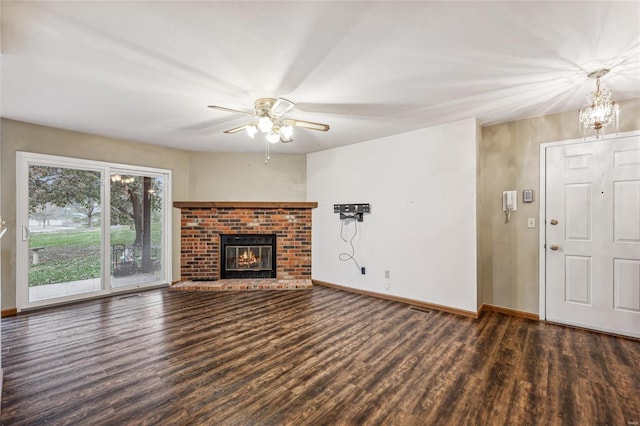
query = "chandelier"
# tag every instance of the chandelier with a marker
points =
(600, 111)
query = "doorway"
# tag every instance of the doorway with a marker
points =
(88, 228)
(591, 234)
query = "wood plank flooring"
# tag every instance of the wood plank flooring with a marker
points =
(306, 358)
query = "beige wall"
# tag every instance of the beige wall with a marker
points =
(245, 177)
(509, 159)
(479, 268)
(196, 176)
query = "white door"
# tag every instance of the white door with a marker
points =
(593, 235)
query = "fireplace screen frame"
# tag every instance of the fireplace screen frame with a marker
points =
(245, 241)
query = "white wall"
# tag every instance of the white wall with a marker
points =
(422, 228)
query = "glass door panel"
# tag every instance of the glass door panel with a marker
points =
(137, 223)
(64, 232)
(88, 228)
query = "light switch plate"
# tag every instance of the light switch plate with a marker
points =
(531, 222)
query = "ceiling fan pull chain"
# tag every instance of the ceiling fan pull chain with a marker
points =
(268, 158)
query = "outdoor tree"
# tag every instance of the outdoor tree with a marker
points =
(128, 195)
(81, 190)
(133, 198)
(64, 187)
(40, 179)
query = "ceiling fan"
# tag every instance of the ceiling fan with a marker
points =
(270, 119)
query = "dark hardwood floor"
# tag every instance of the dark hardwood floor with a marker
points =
(306, 357)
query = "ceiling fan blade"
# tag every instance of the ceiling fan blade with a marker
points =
(306, 124)
(230, 110)
(362, 109)
(237, 129)
(280, 107)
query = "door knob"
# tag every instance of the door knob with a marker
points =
(554, 247)
(554, 221)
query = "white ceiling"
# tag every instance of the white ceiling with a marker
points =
(146, 70)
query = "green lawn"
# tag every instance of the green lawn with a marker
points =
(58, 267)
(88, 237)
(75, 254)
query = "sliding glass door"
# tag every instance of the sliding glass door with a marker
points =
(88, 228)
(63, 231)
(136, 229)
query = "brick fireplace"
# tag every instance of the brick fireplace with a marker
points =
(202, 224)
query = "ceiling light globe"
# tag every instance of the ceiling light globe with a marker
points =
(252, 129)
(273, 137)
(265, 124)
(286, 133)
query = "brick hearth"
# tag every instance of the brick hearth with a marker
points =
(244, 284)
(203, 222)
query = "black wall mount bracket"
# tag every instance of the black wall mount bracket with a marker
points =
(352, 211)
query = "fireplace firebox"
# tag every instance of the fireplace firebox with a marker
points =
(248, 256)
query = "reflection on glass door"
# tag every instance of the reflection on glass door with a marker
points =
(136, 229)
(63, 232)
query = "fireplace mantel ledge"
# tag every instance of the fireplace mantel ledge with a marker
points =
(247, 204)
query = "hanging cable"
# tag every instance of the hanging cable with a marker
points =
(345, 257)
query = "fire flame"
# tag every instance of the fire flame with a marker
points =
(247, 258)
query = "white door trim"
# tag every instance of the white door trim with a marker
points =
(542, 267)
(23, 160)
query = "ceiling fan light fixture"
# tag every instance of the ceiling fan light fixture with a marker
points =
(265, 124)
(600, 111)
(273, 137)
(286, 133)
(252, 129)
(272, 122)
